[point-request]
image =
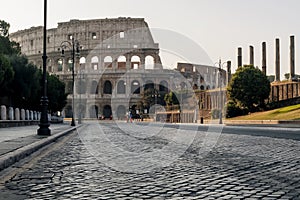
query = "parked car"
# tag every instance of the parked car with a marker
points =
(57, 119)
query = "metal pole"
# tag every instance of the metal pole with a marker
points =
(220, 103)
(44, 122)
(73, 81)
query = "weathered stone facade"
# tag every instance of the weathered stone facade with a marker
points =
(118, 60)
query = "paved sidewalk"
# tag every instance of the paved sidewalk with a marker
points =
(19, 142)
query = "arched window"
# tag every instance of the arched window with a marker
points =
(70, 64)
(94, 62)
(94, 111)
(59, 65)
(135, 87)
(122, 62)
(121, 88)
(135, 62)
(82, 62)
(149, 62)
(107, 87)
(107, 112)
(108, 62)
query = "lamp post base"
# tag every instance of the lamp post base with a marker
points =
(73, 122)
(44, 130)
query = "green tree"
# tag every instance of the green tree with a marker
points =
(6, 75)
(26, 85)
(171, 99)
(4, 28)
(56, 93)
(249, 88)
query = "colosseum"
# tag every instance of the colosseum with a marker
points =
(118, 60)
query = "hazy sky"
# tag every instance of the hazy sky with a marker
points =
(218, 26)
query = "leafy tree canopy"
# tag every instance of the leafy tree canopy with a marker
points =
(249, 88)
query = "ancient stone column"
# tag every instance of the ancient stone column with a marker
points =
(251, 49)
(292, 57)
(264, 58)
(277, 61)
(17, 114)
(228, 71)
(240, 64)
(3, 113)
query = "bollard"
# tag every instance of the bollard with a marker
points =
(23, 114)
(10, 113)
(17, 114)
(3, 113)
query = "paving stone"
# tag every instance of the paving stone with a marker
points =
(239, 167)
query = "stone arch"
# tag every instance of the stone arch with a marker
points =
(82, 62)
(163, 86)
(70, 64)
(94, 62)
(149, 62)
(122, 62)
(107, 112)
(94, 111)
(59, 65)
(121, 112)
(107, 61)
(135, 87)
(135, 62)
(94, 87)
(107, 89)
(121, 87)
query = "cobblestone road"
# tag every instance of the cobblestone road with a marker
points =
(126, 161)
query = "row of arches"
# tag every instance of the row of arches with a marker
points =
(97, 112)
(121, 87)
(95, 63)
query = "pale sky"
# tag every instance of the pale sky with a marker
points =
(218, 26)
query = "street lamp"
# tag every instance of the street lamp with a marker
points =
(155, 95)
(44, 122)
(74, 47)
(220, 65)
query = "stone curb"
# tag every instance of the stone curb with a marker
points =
(15, 156)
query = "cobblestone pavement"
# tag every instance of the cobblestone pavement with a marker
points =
(238, 167)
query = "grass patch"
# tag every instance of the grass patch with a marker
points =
(285, 113)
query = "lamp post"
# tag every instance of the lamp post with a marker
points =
(44, 122)
(155, 95)
(220, 65)
(73, 46)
